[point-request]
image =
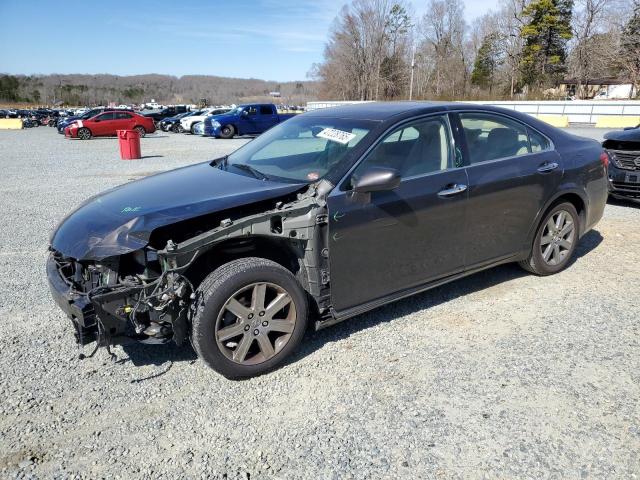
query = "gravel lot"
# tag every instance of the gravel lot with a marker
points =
(501, 375)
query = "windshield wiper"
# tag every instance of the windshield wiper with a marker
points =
(248, 168)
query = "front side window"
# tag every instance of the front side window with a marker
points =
(265, 110)
(490, 137)
(417, 148)
(300, 149)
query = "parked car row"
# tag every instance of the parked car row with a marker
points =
(248, 119)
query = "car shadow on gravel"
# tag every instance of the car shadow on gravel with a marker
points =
(166, 355)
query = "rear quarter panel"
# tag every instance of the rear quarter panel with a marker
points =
(584, 173)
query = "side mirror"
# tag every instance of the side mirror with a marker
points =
(376, 179)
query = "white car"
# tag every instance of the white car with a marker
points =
(187, 123)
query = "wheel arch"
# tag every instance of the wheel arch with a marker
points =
(279, 250)
(572, 195)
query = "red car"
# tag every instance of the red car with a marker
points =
(106, 123)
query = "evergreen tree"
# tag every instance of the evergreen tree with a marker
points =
(545, 36)
(629, 56)
(487, 61)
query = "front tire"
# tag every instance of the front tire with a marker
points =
(251, 314)
(227, 131)
(84, 133)
(555, 241)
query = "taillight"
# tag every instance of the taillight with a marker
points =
(604, 158)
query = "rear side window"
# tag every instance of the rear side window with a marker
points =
(122, 116)
(538, 142)
(490, 137)
(265, 110)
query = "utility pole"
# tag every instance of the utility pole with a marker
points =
(413, 66)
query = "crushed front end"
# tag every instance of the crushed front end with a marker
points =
(624, 167)
(134, 296)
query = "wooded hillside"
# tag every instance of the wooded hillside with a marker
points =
(78, 89)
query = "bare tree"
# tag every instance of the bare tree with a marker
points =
(592, 44)
(443, 35)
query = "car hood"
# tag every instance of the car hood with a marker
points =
(122, 219)
(628, 135)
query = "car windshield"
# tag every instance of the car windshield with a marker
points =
(300, 149)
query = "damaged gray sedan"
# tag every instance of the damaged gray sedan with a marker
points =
(325, 216)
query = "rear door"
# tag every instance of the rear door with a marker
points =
(123, 121)
(513, 171)
(395, 240)
(267, 117)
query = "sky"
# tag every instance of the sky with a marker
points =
(266, 39)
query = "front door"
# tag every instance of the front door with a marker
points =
(512, 174)
(249, 120)
(386, 242)
(103, 124)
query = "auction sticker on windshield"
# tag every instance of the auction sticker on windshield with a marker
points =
(334, 135)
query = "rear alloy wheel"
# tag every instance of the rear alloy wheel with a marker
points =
(178, 129)
(251, 314)
(555, 241)
(228, 131)
(84, 133)
(141, 131)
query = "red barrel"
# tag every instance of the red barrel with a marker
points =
(129, 144)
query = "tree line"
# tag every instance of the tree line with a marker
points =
(80, 89)
(380, 49)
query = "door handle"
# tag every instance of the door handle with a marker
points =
(548, 167)
(452, 190)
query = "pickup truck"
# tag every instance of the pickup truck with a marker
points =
(250, 119)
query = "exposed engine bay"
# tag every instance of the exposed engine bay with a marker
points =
(149, 294)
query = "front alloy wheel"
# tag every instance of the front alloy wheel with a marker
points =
(84, 134)
(255, 323)
(250, 314)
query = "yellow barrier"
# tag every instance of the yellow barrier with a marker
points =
(616, 121)
(561, 121)
(10, 123)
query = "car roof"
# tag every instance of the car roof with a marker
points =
(384, 111)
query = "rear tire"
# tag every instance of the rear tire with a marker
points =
(255, 340)
(227, 131)
(141, 130)
(555, 241)
(84, 133)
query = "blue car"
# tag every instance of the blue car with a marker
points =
(251, 119)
